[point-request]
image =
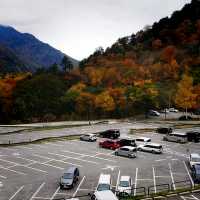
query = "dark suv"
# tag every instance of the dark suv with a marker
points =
(127, 142)
(164, 130)
(69, 178)
(193, 136)
(111, 133)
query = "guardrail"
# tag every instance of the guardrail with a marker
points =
(159, 188)
(181, 185)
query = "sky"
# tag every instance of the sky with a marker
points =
(78, 27)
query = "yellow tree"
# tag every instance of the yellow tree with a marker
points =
(105, 102)
(185, 97)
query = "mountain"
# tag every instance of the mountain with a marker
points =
(29, 52)
(161, 52)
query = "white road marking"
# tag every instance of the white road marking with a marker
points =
(91, 156)
(16, 192)
(188, 174)
(191, 197)
(170, 170)
(51, 159)
(17, 172)
(78, 187)
(110, 167)
(135, 185)
(55, 193)
(57, 145)
(37, 191)
(3, 177)
(69, 157)
(154, 180)
(160, 160)
(41, 198)
(1, 184)
(118, 177)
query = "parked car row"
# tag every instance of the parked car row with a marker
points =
(165, 111)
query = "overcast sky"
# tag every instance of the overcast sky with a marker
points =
(78, 27)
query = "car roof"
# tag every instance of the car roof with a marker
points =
(145, 138)
(125, 178)
(104, 178)
(70, 169)
(129, 147)
(195, 155)
(154, 144)
(105, 195)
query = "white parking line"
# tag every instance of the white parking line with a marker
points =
(55, 193)
(154, 180)
(191, 197)
(69, 157)
(37, 191)
(91, 156)
(16, 192)
(171, 173)
(188, 174)
(57, 145)
(118, 177)
(50, 159)
(78, 187)
(3, 177)
(135, 186)
(17, 172)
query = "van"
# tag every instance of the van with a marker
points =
(111, 133)
(104, 195)
(151, 147)
(104, 182)
(176, 137)
(69, 178)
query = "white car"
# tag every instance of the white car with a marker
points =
(127, 151)
(142, 140)
(125, 185)
(104, 195)
(151, 147)
(173, 110)
(194, 159)
(88, 137)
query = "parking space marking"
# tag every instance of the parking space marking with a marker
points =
(154, 180)
(3, 177)
(118, 177)
(51, 159)
(69, 157)
(17, 172)
(91, 156)
(55, 193)
(135, 186)
(171, 174)
(188, 174)
(15, 194)
(37, 191)
(78, 187)
(191, 197)
(57, 145)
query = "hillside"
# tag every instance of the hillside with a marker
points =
(29, 50)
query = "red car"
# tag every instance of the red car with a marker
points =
(110, 144)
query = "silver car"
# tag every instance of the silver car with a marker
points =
(127, 151)
(88, 137)
(151, 147)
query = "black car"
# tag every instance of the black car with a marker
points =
(164, 130)
(193, 136)
(111, 133)
(127, 142)
(197, 111)
(196, 173)
(69, 178)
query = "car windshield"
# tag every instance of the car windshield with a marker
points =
(68, 176)
(124, 184)
(196, 159)
(102, 187)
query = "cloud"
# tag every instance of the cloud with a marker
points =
(77, 27)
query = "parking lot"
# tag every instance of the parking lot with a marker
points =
(31, 172)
